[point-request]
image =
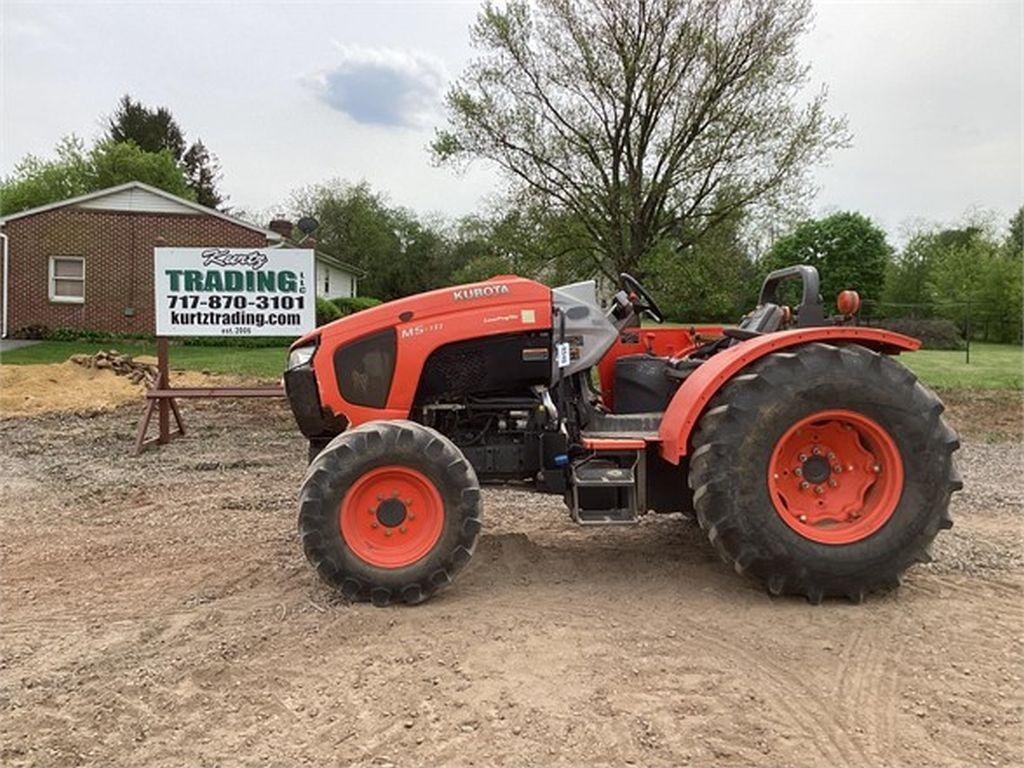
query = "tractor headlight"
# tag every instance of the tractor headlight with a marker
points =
(300, 356)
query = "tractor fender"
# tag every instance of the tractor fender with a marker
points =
(699, 387)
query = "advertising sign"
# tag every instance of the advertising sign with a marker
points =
(234, 291)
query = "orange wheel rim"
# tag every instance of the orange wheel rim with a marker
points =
(835, 477)
(392, 516)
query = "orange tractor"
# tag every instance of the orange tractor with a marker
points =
(814, 462)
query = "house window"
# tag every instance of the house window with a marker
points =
(327, 280)
(67, 279)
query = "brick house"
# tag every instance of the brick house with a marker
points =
(87, 262)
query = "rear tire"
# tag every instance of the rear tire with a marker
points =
(389, 511)
(735, 470)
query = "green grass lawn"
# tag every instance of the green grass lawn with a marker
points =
(262, 363)
(993, 366)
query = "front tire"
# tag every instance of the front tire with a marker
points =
(389, 511)
(824, 471)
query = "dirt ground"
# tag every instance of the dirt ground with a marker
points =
(26, 390)
(157, 611)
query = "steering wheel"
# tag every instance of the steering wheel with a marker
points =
(632, 286)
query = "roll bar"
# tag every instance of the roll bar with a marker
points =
(810, 311)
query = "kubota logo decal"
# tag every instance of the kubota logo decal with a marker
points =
(479, 292)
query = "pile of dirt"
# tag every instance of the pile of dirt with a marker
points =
(136, 371)
(76, 387)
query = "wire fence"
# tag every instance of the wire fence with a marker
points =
(937, 322)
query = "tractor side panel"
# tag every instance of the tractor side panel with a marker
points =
(414, 327)
(696, 391)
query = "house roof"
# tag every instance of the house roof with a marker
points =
(92, 200)
(329, 258)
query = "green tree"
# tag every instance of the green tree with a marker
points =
(75, 171)
(524, 239)
(1015, 237)
(152, 130)
(848, 250)
(36, 182)
(481, 267)
(354, 225)
(112, 164)
(965, 274)
(203, 172)
(156, 130)
(400, 254)
(975, 280)
(906, 290)
(630, 118)
(712, 280)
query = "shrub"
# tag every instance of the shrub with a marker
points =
(326, 311)
(934, 333)
(31, 332)
(78, 334)
(246, 342)
(348, 305)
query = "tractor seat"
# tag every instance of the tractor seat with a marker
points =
(765, 318)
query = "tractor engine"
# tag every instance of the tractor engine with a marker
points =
(502, 436)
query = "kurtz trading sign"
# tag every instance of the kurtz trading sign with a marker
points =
(234, 291)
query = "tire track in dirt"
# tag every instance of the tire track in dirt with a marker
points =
(867, 688)
(821, 722)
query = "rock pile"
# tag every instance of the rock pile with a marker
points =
(121, 364)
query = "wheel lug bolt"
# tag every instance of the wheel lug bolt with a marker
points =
(818, 490)
(412, 516)
(803, 457)
(394, 494)
(799, 472)
(816, 451)
(380, 497)
(804, 484)
(831, 456)
(832, 483)
(387, 532)
(402, 529)
(408, 502)
(374, 524)
(837, 469)
(372, 511)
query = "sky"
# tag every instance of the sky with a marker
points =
(294, 93)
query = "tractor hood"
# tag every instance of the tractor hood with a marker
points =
(368, 365)
(503, 304)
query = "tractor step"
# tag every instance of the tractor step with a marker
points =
(603, 473)
(606, 517)
(606, 486)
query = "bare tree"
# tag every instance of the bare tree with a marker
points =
(645, 119)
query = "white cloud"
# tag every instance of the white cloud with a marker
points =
(384, 86)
